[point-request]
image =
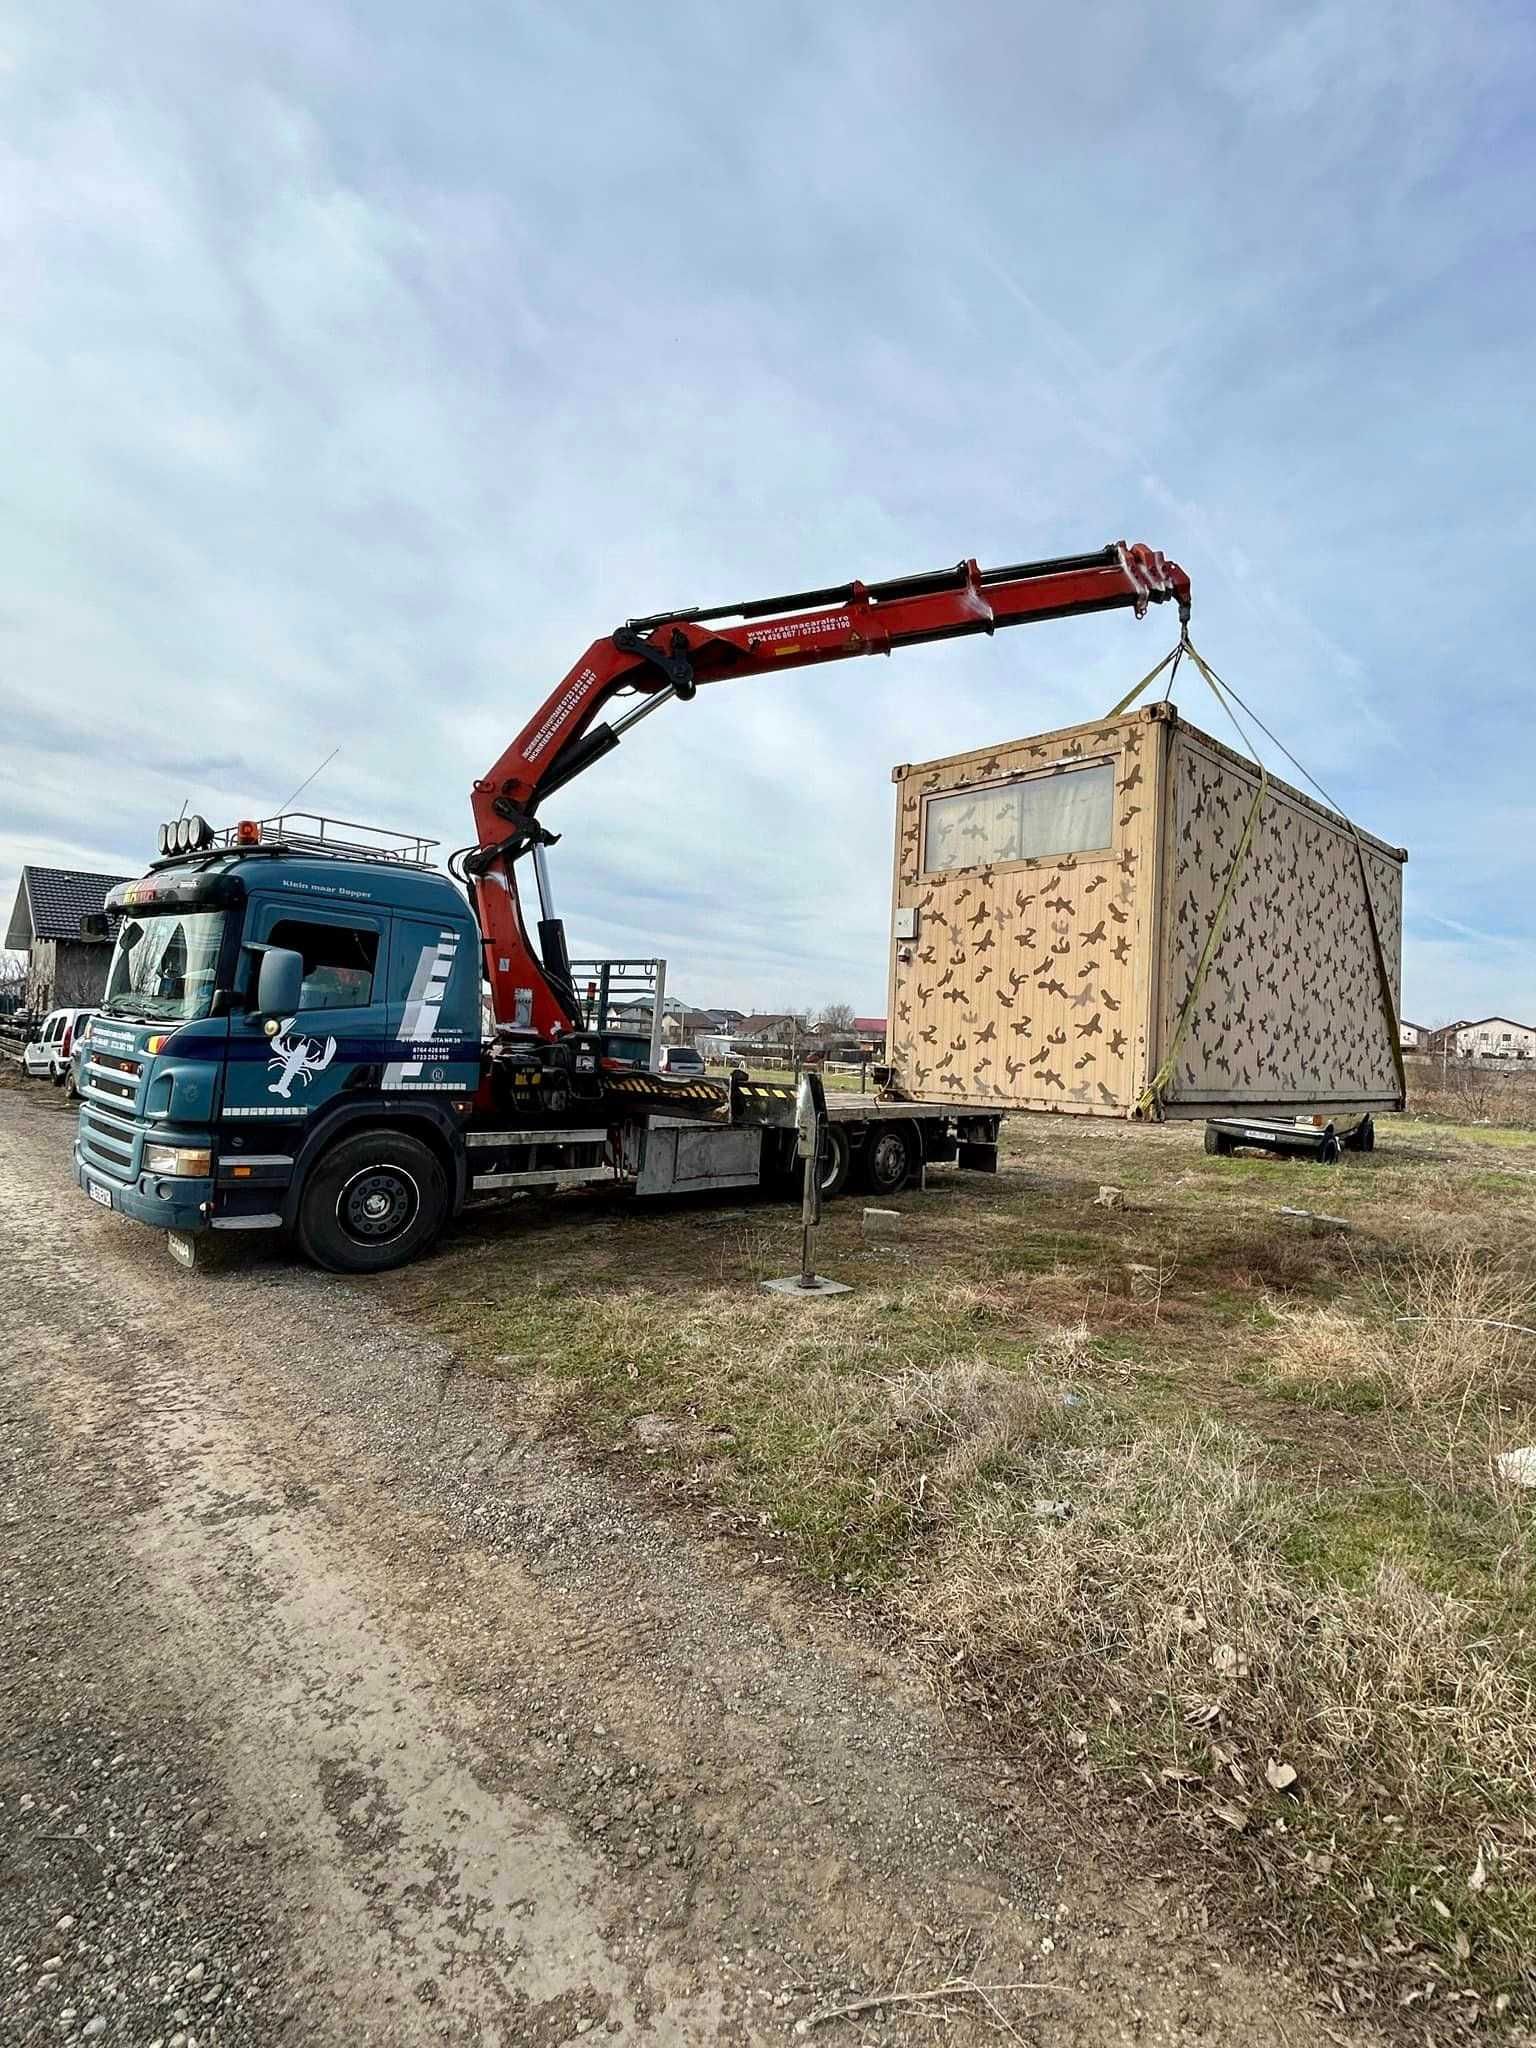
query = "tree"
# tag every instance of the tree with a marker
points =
(835, 1020)
(13, 982)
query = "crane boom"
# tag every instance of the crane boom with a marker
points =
(670, 654)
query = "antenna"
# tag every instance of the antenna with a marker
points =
(330, 757)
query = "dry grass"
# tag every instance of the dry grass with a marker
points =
(1468, 1094)
(1287, 1547)
(1166, 1620)
(1448, 1328)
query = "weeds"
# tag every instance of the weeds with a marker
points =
(1163, 1632)
(1451, 1328)
(1334, 1585)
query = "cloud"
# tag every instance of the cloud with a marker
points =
(362, 368)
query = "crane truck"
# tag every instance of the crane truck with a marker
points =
(293, 1037)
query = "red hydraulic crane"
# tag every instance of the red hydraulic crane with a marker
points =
(671, 654)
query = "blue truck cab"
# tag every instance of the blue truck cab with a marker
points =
(292, 1039)
(289, 1040)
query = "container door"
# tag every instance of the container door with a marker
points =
(335, 1039)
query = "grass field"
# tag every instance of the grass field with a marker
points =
(1291, 1609)
(1290, 1614)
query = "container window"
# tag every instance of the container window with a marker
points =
(1071, 811)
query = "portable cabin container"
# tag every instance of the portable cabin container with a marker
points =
(1053, 911)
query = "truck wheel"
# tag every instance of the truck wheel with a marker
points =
(836, 1162)
(374, 1201)
(1330, 1149)
(1216, 1143)
(888, 1159)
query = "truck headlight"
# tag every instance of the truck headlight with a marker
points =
(192, 1162)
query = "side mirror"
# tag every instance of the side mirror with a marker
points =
(279, 982)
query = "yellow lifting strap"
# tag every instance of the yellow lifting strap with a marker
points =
(1151, 1101)
(1151, 676)
(1383, 978)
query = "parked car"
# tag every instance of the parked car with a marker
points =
(625, 1052)
(47, 1055)
(684, 1061)
(78, 1053)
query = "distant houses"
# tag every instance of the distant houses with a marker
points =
(720, 1033)
(1482, 1038)
(66, 968)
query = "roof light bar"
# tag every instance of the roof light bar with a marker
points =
(185, 835)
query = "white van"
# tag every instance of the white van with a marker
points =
(47, 1055)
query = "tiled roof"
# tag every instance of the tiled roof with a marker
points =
(51, 902)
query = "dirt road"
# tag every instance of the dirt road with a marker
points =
(336, 1709)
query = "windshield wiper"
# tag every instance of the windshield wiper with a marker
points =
(140, 1013)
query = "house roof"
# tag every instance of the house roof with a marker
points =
(51, 902)
(1472, 1023)
(870, 1027)
(750, 1026)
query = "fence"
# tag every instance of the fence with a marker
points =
(14, 1034)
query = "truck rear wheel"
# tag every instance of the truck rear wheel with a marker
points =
(889, 1158)
(373, 1201)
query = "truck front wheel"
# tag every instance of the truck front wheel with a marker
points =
(836, 1161)
(372, 1202)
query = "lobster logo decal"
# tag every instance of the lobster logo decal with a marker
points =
(297, 1059)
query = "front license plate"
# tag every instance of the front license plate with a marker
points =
(102, 1195)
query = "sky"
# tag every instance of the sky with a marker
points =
(360, 364)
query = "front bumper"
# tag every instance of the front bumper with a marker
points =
(168, 1200)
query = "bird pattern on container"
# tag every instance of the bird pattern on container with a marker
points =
(1020, 988)
(1292, 999)
(1028, 982)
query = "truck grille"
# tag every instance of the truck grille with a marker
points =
(109, 1081)
(106, 1142)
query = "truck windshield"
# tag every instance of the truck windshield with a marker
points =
(165, 967)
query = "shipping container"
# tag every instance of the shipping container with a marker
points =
(1130, 919)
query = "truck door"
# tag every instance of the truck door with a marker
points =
(336, 1036)
(434, 1008)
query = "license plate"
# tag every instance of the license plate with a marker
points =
(102, 1195)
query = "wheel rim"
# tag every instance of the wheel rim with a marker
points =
(888, 1159)
(378, 1204)
(832, 1156)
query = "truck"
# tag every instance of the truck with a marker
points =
(293, 1036)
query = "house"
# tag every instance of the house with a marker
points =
(1492, 1038)
(64, 968)
(687, 1027)
(1412, 1037)
(765, 1029)
(870, 1031)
